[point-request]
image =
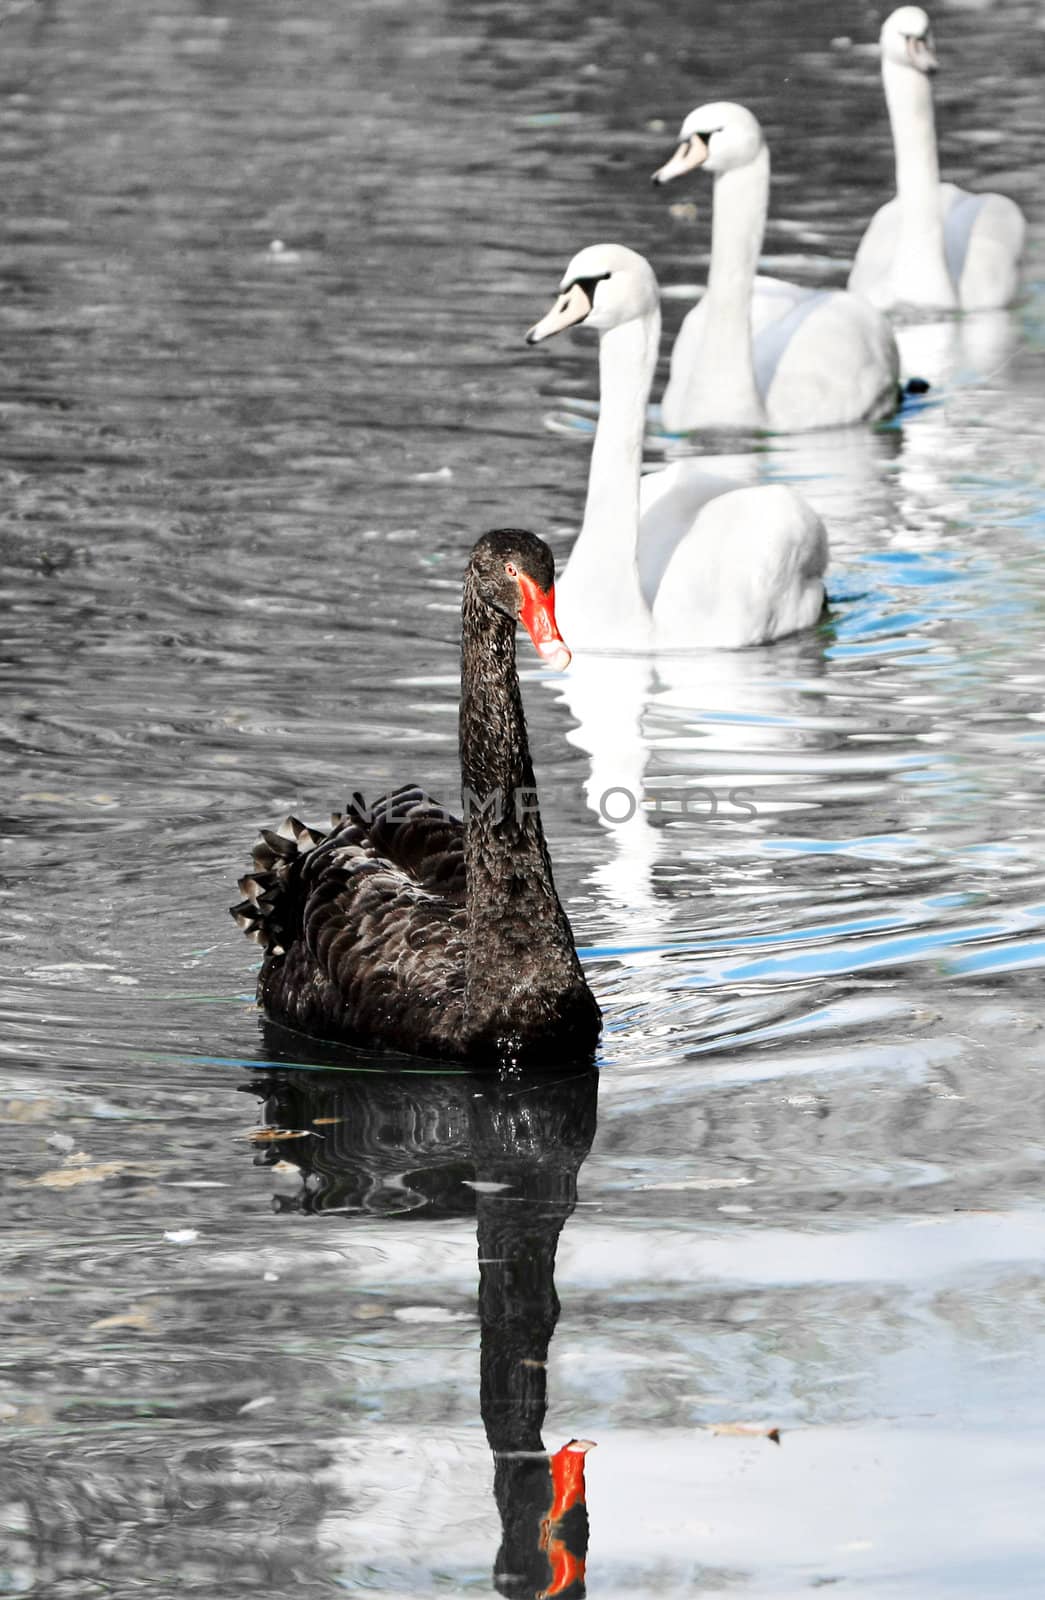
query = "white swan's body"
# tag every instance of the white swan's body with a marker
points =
(758, 352)
(934, 245)
(677, 559)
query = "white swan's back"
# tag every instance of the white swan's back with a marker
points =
(670, 502)
(822, 358)
(839, 365)
(750, 569)
(983, 239)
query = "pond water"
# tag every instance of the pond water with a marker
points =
(277, 1330)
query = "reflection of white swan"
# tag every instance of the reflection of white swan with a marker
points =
(675, 559)
(859, 479)
(935, 244)
(844, 476)
(607, 696)
(743, 725)
(707, 738)
(953, 351)
(757, 352)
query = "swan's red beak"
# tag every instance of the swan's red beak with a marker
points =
(537, 615)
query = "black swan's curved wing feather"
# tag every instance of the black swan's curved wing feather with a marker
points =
(380, 958)
(421, 837)
(363, 927)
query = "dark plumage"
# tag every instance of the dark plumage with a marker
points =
(406, 927)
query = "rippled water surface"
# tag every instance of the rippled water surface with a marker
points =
(278, 1330)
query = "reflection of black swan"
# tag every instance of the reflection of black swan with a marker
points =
(406, 928)
(383, 1144)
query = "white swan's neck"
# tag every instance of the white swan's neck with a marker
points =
(598, 599)
(920, 265)
(739, 206)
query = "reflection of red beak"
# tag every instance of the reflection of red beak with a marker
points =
(567, 1569)
(537, 616)
(567, 1470)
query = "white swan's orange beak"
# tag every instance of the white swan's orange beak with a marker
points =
(692, 152)
(537, 615)
(572, 306)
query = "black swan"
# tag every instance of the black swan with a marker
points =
(403, 926)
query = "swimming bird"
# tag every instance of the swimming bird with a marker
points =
(679, 558)
(407, 928)
(758, 352)
(934, 245)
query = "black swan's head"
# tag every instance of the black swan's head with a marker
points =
(514, 572)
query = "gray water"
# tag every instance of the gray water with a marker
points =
(244, 1349)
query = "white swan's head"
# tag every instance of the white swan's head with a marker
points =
(603, 286)
(907, 39)
(718, 137)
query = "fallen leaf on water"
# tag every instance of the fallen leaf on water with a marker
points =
(133, 1317)
(28, 1111)
(325, 1122)
(260, 1135)
(743, 1430)
(76, 1171)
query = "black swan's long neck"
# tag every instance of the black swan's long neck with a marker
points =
(519, 940)
(495, 755)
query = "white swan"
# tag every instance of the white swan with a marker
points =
(757, 352)
(935, 244)
(678, 558)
